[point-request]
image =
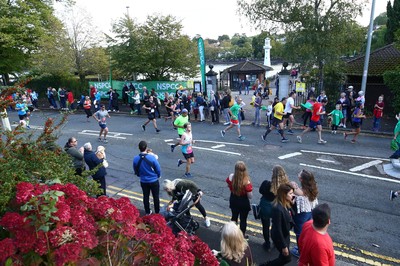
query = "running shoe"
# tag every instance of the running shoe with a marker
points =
(143, 127)
(290, 132)
(223, 133)
(172, 148)
(322, 141)
(105, 141)
(299, 140)
(188, 175)
(180, 162)
(284, 140)
(353, 141)
(99, 139)
(241, 137)
(207, 222)
(157, 130)
(263, 138)
(392, 195)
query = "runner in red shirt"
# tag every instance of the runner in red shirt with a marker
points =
(315, 121)
(315, 244)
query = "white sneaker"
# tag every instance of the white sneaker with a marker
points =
(344, 126)
(207, 222)
(299, 140)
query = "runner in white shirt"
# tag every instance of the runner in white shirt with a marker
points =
(288, 110)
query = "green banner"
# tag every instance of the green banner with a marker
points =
(160, 86)
(202, 56)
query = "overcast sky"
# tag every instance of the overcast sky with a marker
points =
(209, 18)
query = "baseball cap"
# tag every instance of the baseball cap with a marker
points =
(185, 110)
(350, 87)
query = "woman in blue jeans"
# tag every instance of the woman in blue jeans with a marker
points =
(257, 106)
(306, 201)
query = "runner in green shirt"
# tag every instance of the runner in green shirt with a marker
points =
(234, 112)
(179, 123)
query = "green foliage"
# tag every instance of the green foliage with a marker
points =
(317, 32)
(392, 80)
(22, 23)
(157, 49)
(393, 20)
(35, 159)
(40, 82)
(381, 19)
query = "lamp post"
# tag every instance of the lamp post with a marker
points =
(367, 52)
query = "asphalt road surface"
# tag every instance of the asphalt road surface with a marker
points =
(365, 223)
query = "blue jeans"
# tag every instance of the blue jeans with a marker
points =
(299, 220)
(377, 123)
(257, 119)
(226, 114)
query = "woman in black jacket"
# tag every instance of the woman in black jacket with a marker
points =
(268, 190)
(282, 222)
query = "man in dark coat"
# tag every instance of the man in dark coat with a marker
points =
(92, 161)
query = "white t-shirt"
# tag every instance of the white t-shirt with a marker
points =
(289, 103)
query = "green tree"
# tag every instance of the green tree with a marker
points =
(317, 32)
(222, 38)
(22, 23)
(393, 20)
(381, 19)
(258, 45)
(161, 51)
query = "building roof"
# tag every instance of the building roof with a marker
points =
(248, 66)
(380, 60)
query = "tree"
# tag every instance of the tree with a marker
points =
(157, 49)
(22, 23)
(393, 20)
(317, 32)
(222, 38)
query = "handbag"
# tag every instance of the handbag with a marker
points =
(256, 210)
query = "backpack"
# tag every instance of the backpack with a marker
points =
(143, 157)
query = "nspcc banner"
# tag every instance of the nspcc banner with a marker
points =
(160, 86)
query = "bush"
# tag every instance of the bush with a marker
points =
(392, 80)
(35, 159)
(60, 224)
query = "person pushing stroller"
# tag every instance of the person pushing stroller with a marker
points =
(177, 188)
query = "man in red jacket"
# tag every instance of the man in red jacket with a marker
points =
(315, 244)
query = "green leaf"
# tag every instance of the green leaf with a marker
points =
(9, 262)
(44, 228)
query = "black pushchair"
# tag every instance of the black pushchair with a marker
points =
(179, 217)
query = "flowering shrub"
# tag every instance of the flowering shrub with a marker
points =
(61, 225)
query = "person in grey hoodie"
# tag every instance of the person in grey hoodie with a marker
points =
(77, 155)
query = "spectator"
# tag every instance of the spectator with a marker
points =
(378, 113)
(241, 192)
(77, 155)
(315, 244)
(344, 104)
(147, 168)
(92, 161)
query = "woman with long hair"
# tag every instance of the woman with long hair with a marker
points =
(306, 201)
(268, 190)
(282, 223)
(235, 250)
(241, 192)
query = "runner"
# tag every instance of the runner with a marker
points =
(100, 116)
(234, 112)
(150, 108)
(87, 105)
(288, 110)
(187, 151)
(277, 121)
(315, 122)
(179, 123)
(357, 116)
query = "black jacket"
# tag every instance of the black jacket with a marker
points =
(282, 222)
(92, 161)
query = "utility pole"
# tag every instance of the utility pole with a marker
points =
(368, 51)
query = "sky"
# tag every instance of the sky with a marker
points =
(209, 18)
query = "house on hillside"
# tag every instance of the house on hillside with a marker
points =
(380, 60)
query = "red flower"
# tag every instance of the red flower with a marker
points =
(13, 221)
(24, 192)
(7, 249)
(67, 253)
(62, 235)
(64, 211)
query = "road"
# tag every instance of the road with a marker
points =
(350, 176)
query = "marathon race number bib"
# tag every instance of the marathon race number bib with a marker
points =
(152, 110)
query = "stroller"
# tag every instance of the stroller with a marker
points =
(179, 217)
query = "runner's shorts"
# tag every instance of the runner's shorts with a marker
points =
(314, 124)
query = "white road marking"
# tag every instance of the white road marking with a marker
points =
(218, 146)
(221, 142)
(208, 149)
(365, 166)
(168, 140)
(289, 155)
(324, 160)
(351, 173)
(345, 155)
(115, 135)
